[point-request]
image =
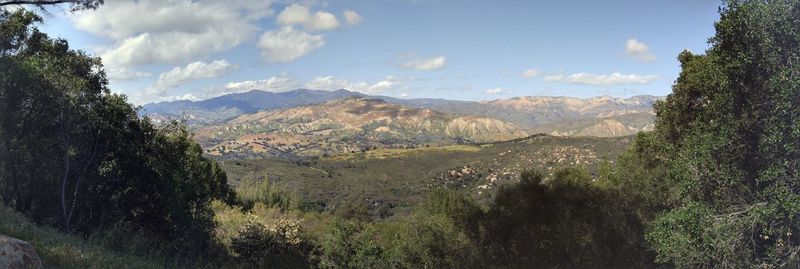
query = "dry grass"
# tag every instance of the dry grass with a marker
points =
(59, 250)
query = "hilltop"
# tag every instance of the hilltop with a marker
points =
(596, 116)
(346, 125)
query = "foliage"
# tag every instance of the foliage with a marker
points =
(432, 241)
(350, 245)
(262, 191)
(75, 156)
(279, 245)
(566, 221)
(389, 182)
(59, 250)
(732, 126)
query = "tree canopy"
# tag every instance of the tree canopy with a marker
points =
(733, 122)
(76, 156)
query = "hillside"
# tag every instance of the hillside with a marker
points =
(622, 125)
(388, 180)
(535, 111)
(61, 250)
(346, 125)
(225, 107)
(551, 115)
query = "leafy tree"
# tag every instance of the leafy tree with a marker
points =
(432, 241)
(349, 244)
(74, 4)
(566, 221)
(277, 246)
(732, 123)
(76, 156)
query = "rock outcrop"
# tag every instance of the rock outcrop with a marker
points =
(18, 254)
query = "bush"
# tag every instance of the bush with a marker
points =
(252, 191)
(279, 245)
(350, 245)
(432, 241)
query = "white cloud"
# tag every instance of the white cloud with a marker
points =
(426, 64)
(193, 71)
(352, 17)
(12, 8)
(287, 44)
(301, 15)
(495, 91)
(553, 78)
(610, 80)
(125, 73)
(639, 51)
(529, 73)
(177, 31)
(280, 83)
(332, 83)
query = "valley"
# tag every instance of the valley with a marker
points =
(388, 181)
(339, 150)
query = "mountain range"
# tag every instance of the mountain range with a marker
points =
(315, 122)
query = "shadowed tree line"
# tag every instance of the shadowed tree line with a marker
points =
(75, 156)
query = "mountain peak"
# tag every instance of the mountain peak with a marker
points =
(358, 100)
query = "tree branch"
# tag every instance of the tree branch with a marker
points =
(35, 2)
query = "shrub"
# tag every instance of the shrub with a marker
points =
(350, 245)
(279, 245)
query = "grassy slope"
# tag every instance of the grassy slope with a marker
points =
(402, 176)
(59, 250)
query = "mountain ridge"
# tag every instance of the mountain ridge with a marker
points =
(347, 125)
(545, 108)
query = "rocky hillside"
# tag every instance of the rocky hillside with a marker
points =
(346, 125)
(535, 113)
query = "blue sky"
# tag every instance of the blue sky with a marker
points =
(158, 50)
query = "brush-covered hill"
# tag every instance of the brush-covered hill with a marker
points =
(346, 125)
(390, 180)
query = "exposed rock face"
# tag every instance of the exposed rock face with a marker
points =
(18, 254)
(524, 112)
(347, 125)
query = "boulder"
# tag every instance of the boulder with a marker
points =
(18, 254)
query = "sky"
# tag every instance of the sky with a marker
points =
(164, 50)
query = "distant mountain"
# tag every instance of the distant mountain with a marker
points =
(346, 125)
(533, 111)
(621, 125)
(562, 116)
(224, 107)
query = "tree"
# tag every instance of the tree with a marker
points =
(74, 4)
(566, 221)
(75, 156)
(732, 123)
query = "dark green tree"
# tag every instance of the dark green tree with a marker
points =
(75, 156)
(732, 123)
(566, 221)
